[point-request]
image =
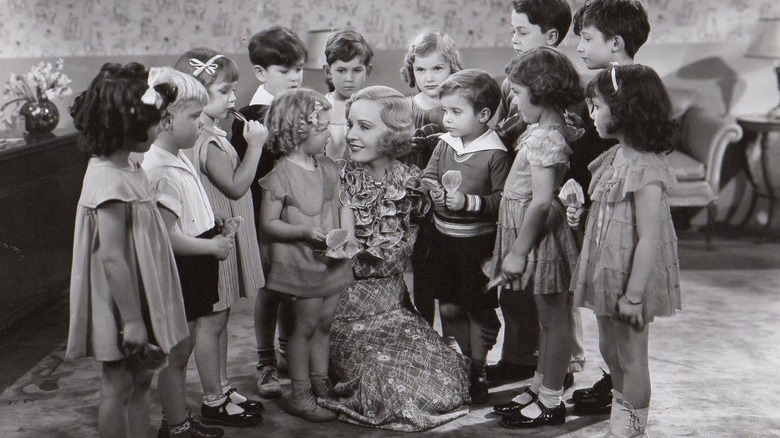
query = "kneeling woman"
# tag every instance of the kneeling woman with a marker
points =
(397, 371)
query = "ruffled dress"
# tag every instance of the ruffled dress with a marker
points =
(309, 197)
(604, 267)
(241, 274)
(402, 374)
(551, 260)
(94, 317)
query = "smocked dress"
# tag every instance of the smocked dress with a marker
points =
(309, 197)
(241, 274)
(94, 317)
(604, 267)
(552, 258)
(402, 375)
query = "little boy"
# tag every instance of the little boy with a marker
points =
(610, 31)
(197, 246)
(465, 217)
(348, 58)
(277, 56)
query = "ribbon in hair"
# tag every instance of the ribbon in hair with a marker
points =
(209, 66)
(613, 74)
(314, 117)
(152, 96)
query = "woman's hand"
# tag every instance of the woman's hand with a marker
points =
(222, 246)
(574, 215)
(456, 201)
(630, 312)
(134, 338)
(255, 134)
(513, 267)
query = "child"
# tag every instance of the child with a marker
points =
(465, 218)
(198, 247)
(348, 58)
(277, 56)
(300, 207)
(431, 58)
(628, 271)
(535, 23)
(534, 244)
(125, 301)
(611, 31)
(226, 180)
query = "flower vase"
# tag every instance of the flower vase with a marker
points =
(40, 115)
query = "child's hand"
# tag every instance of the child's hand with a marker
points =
(222, 246)
(630, 313)
(439, 202)
(134, 338)
(573, 215)
(456, 201)
(426, 138)
(255, 134)
(315, 236)
(513, 267)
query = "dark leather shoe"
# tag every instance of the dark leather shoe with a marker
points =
(251, 406)
(600, 389)
(196, 430)
(512, 407)
(220, 415)
(549, 417)
(479, 391)
(593, 406)
(504, 372)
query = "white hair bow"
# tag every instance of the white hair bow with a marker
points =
(151, 96)
(209, 66)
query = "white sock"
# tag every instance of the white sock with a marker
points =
(617, 396)
(525, 397)
(235, 397)
(214, 400)
(550, 398)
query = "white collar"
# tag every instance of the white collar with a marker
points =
(486, 142)
(262, 97)
(160, 157)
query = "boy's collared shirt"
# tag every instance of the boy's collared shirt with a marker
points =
(178, 188)
(485, 142)
(262, 97)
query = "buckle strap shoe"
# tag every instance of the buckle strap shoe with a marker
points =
(513, 407)
(549, 417)
(251, 406)
(220, 415)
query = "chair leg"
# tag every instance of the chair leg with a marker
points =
(712, 213)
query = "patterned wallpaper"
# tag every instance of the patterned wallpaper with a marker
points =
(38, 28)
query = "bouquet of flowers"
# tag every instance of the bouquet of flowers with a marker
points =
(44, 81)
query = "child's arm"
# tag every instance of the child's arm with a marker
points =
(542, 188)
(234, 183)
(112, 227)
(346, 218)
(648, 224)
(432, 172)
(276, 229)
(483, 204)
(182, 244)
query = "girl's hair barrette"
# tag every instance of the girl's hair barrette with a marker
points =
(613, 74)
(314, 117)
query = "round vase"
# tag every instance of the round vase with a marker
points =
(40, 115)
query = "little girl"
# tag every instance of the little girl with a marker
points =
(431, 58)
(226, 180)
(126, 307)
(535, 248)
(300, 206)
(628, 271)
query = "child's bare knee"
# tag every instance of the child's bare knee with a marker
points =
(450, 311)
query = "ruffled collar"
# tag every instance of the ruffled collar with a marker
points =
(486, 142)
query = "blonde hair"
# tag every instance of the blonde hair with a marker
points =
(426, 42)
(188, 89)
(396, 114)
(290, 115)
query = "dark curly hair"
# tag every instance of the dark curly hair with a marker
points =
(110, 114)
(640, 107)
(289, 117)
(396, 114)
(550, 77)
(625, 18)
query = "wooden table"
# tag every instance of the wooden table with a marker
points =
(757, 128)
(40, 183)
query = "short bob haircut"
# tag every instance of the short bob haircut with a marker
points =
(226, 69)
(547, 14)
(277, 45)
(396, 114)
(289, 118)
(476, 86)
(346, 45)
(624, 18)
(188, 89)
(425, 43)
(550, 77)
(640, 107)
(110, 114)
